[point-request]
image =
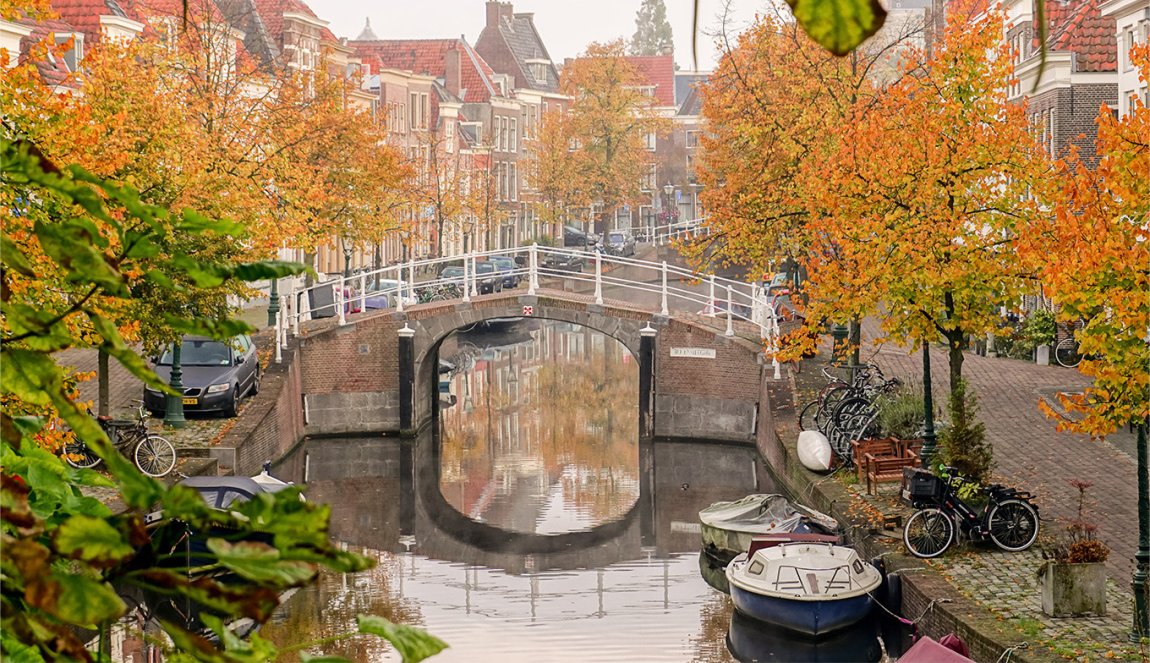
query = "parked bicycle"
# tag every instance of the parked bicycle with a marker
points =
(847, 411)
(438, 293)
(1066, 353)
(154, 455)
(816, 415)
(1008, 518)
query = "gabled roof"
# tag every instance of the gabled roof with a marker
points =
(657, 71)
(84, 15)
(686, 83)
(258, 40)
(429, 57)
(1078, 26)
(517, 33)
(53, 70)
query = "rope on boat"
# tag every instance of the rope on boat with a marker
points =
(913, 623)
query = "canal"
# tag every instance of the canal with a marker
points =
(531, 523)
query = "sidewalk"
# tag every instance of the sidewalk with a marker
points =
(1029, 454)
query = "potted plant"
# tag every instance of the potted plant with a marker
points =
(1040, 332)
(1073, 571)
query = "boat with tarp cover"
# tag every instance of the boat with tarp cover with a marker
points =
(728, 527)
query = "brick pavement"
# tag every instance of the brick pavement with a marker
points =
(1029, 453)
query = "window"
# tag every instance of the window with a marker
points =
(1129, 42)
(513, 182)
(692, 138)
(1053, 149)
(650, 140)
(649, 179)
(413, 119)
(514, 135)
(504, 134)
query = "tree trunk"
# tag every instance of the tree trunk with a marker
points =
(309, 260)
(854, 337)
(102, 371)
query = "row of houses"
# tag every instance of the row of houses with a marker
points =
(448, 105)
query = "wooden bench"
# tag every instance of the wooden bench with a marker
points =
(885, 460)
(875, 446)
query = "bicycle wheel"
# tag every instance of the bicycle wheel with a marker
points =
(827, 404)
(1066, 353)
(77, 454)
(808, 418)
(155, 456)
(928, 533)
(1012, 525)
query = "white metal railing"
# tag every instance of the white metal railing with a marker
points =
(666, 233)
(457, 278)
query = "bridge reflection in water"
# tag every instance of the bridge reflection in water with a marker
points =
(532, 525)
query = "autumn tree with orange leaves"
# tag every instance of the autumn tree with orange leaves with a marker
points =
(1093, 254)
(926, 195)
(552, 173)
(776, 108)
(608, 120)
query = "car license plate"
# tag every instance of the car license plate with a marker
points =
(190, 401)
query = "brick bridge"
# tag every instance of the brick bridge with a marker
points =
(377, 372)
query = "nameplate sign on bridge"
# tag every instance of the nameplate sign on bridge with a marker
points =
(700, 353)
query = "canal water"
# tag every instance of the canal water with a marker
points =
(531, 523)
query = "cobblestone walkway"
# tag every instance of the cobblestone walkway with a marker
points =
(1028, 452)
(1006, 584)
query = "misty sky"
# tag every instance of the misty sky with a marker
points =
(566, 26)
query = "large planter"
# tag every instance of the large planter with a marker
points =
(1073, 590)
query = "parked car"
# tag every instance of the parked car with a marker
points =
(382, 294)
(507, 264)
(573, 236)
(620, 243)
(567, 262)
(488, 279)
(485, 280)
(215, 374)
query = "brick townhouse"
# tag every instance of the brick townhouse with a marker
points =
(1131, 26)
(512, 46)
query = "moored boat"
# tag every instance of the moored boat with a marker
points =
(728, 527)
(812, 588)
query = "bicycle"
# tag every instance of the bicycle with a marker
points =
(1066, 353)
(816, 415)
(154, 455)
(1008, 519)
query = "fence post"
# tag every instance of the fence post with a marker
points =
(730, 305)
(362, 293)
(410, 276)
(341, 300)
(533, 269)
(711, 297)
(663, 308)
(400, 295)
(598, 278)
(468, 277)
(294, 307)
(279, 348)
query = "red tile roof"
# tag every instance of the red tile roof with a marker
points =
(53, 70)
(1079, 27)
(657, 70)
(429, 56)
(272, 13)
(84, 15)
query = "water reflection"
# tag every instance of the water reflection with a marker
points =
(541, 434)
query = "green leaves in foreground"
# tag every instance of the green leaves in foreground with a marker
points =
(839, 25)
(413, 644)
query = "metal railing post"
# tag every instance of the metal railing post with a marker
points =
(711, 296)
(533, 269)
(400, 287)
(341, 299)
(468, 277)
(663, 310)
(293, 306)
(598, 278)
(730, 305)
(410, 276)
(362, 293)
(279, 348)
(284, 329)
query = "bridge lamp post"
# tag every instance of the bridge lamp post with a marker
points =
(174, 408)
(346, 258)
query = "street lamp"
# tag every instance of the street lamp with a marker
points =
(1141, 578)
(174, 409)
(928, 437)
(346, 259)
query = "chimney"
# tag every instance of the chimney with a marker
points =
(451, 70)
(497, 10)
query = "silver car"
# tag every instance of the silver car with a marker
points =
(620, 243)
(215, 375)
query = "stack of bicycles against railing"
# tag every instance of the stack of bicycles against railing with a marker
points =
(1007, 518)
(847, 410)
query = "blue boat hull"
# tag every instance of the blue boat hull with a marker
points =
(810, 617)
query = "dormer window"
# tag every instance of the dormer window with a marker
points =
(75, 54)
(538, 67)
